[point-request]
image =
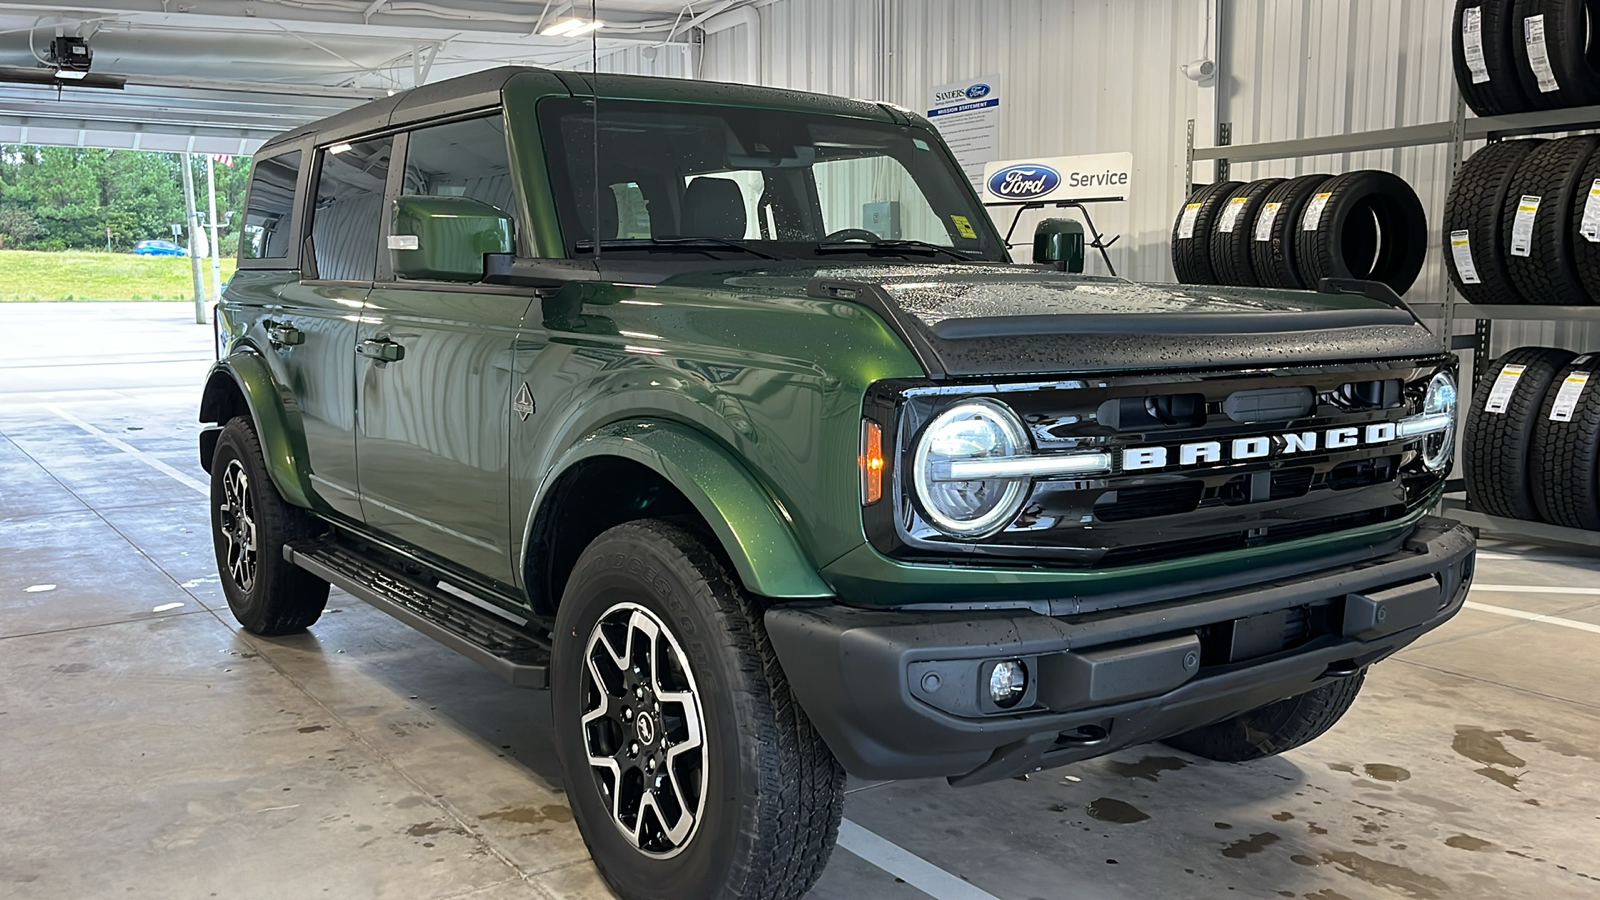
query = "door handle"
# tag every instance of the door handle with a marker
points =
(283, 334)
(381, 349)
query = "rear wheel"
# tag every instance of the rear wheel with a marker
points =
(690, 769)
(250, 523)
(1274, 728)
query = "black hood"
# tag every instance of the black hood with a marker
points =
(990, 320)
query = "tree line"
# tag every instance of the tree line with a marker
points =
(69, 198)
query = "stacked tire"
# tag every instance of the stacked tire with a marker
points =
(1292, 233)
(1522, 223)
(1532, 444)
(1517, 55)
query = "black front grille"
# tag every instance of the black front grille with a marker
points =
(1229, 479)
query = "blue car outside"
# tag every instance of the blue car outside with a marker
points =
(159, 248)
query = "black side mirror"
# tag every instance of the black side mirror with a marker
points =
(1059, 242)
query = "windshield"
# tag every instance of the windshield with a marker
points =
(725, 180)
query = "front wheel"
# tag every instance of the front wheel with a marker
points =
(1274, 728)
(690, 769)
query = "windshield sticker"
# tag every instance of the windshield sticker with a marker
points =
(964, 227)
(404, 242)
(919, 143)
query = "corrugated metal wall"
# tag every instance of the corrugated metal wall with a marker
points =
(1091, 76)
(1078, 76)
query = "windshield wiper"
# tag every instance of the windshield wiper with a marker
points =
(892, 246)
(688, 244)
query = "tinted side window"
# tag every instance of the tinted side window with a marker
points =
(463, 159)
(345, 220)
(269, 219)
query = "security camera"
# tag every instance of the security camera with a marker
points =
(1199, 70)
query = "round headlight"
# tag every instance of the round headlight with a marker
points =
(1439, 447)
(973, 430)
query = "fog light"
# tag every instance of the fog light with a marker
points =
(1008, 681)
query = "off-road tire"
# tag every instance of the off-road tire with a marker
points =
(1549, 274)
(282, 598)
(1476, 205)
(1373, 227)
(1273, 260)
(1585, 252)
(1566, 455)
(1502, 93)
(1497, 448)
(1191, 256)
(774, 791)
(1230, 250)
(1573, 56)
(1273, 728)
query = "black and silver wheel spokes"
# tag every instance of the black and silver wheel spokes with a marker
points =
(238, 519)
(643, 729)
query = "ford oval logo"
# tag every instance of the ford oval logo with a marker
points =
(977, 90)
(1024, 182)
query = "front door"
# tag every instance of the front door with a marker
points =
(434, 425)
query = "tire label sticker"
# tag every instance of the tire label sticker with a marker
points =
(1472, 43)
(1313, 216)
(1230, 214)
(1522, 225)
(1461, 251)
(1264, 220)
(1186, 223)
(1504, 386)
(1590, 227)
(1538, 56)
(1567, 397)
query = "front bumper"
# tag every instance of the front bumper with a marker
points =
(1107, 680)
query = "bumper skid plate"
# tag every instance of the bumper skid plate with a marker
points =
(903, 694)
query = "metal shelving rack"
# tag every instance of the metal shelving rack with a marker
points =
(1456, 132)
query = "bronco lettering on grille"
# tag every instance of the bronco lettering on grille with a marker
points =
(1286, 444)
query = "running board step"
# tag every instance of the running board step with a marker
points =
(512, 653)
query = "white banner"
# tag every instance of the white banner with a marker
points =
(1097, 176)
(967, 114)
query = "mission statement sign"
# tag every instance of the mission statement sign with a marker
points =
(967, 114)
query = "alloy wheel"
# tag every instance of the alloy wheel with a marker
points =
(238, 521)
(643, 730)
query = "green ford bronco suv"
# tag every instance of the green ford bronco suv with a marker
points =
(604, 383)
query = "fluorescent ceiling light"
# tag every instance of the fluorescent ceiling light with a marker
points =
(572, 27)
(336, 149)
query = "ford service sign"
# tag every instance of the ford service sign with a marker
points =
(1097, 176)
(977, 91)
(1027, 181)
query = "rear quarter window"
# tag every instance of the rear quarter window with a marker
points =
(269, 219)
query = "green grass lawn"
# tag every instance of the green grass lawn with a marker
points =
(42, 277)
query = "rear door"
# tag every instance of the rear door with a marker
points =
(435, 424)
(315, 323)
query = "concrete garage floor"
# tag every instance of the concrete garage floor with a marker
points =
(149, 748)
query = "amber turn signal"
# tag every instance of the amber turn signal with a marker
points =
(871, 462)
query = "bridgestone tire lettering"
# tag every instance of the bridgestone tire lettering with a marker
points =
(1496, 448)
(1273, 260)
(1551, 171)
(1373, 228)
(1191, 256)
(1566, 455)
(1502, 93)
(1230, 250)
(1477, 205)
(1567, 40)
